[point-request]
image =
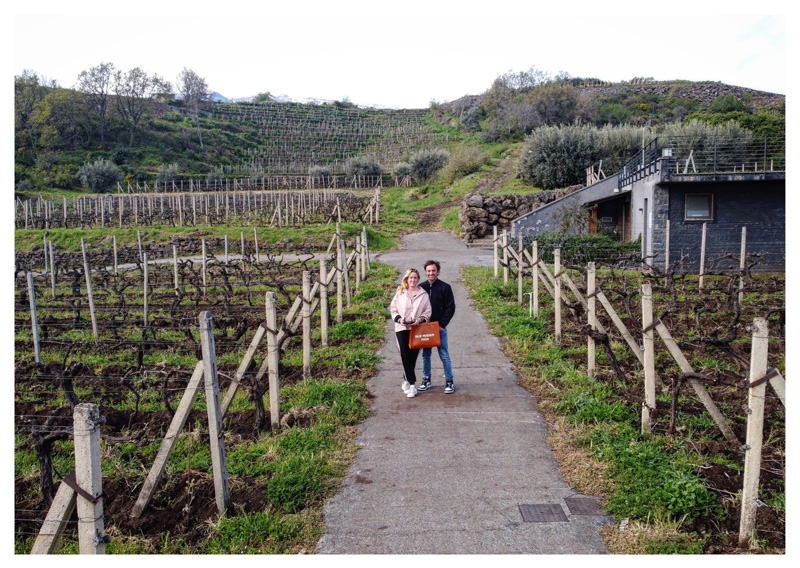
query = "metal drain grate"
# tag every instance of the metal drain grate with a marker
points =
(543, 513)
(583, 506)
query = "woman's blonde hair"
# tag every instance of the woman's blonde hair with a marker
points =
(404, 281)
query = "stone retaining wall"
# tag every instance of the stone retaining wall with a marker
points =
(480, 212)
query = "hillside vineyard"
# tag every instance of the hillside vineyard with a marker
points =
(290, 138)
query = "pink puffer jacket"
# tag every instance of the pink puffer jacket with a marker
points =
(410, 307)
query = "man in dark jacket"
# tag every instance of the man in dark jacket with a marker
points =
(444, 307)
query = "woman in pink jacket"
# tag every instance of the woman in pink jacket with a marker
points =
(410, 305)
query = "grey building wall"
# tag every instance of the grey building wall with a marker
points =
(544, 218)
(760, 206)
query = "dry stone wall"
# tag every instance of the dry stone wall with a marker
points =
(480, 212)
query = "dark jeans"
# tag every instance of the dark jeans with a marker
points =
(407, 356)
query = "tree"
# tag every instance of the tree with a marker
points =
(61, 120)
(194, 91)
(100, 176)
(97, 84)
(29, 89)
(135, 91)
(262, 98)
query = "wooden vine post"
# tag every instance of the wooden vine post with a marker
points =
(557, 292)
(755, 425)
(306, 324)
(496, 254)
(648, 337)
(273, 360)
(505, 256)
(323, 301)
(592, 317)
(34, 322)
(88, 274)
(215, 432)
(535, 275)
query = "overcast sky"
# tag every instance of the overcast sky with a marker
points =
(404, 54)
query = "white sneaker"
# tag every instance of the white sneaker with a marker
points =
(406, 386)
(412, 391)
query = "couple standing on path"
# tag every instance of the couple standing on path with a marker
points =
(417, 303)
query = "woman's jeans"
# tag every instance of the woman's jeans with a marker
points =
(444, 355)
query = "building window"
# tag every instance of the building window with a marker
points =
(699, 207)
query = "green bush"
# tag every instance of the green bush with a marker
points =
(425, 163)
(319, 171)
(467, 160)
(100, 176)
(402, 170)
(167, 173)
(363, 166)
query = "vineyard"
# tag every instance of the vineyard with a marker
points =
(289, 208)
(126, 337)
(652, 359)
(290, 138)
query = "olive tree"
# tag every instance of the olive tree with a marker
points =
(100, 176)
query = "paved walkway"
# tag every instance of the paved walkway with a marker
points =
(453, 474)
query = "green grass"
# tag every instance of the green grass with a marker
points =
(652, 478)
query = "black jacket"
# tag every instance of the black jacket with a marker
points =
(442, 301)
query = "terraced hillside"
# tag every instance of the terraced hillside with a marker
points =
(290, 138)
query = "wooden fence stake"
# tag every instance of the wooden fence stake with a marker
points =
(505, 256)
(273, 361)
(255, 240)
(170, 439)
(591, 361)
(116, 265)
(56, 521)
(557, 292)
(742, 255)
(175, 270)
(702, 256)
(205, 286)
(701, 391)
(339, 277)
(243, 366)
(215, 432)
(306, 324)
(496, 254)
(34, 322)
(535, 276)
(89, 477)
(52, 270)
(755, 434)
(146, 278)
(323, 301)
(648, 338)
(519, 272)
(88, 274)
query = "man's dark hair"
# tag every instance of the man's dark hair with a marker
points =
(429, 262)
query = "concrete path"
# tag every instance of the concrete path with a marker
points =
(454, 473)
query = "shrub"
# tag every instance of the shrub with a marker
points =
(319, 171)
(402, 170)
(167, 173)
(466, 161)
(557, 156)
(425, 163)
(100, 176)
(216, 176)
(471, 122)
(120, 155)
(363, 166)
